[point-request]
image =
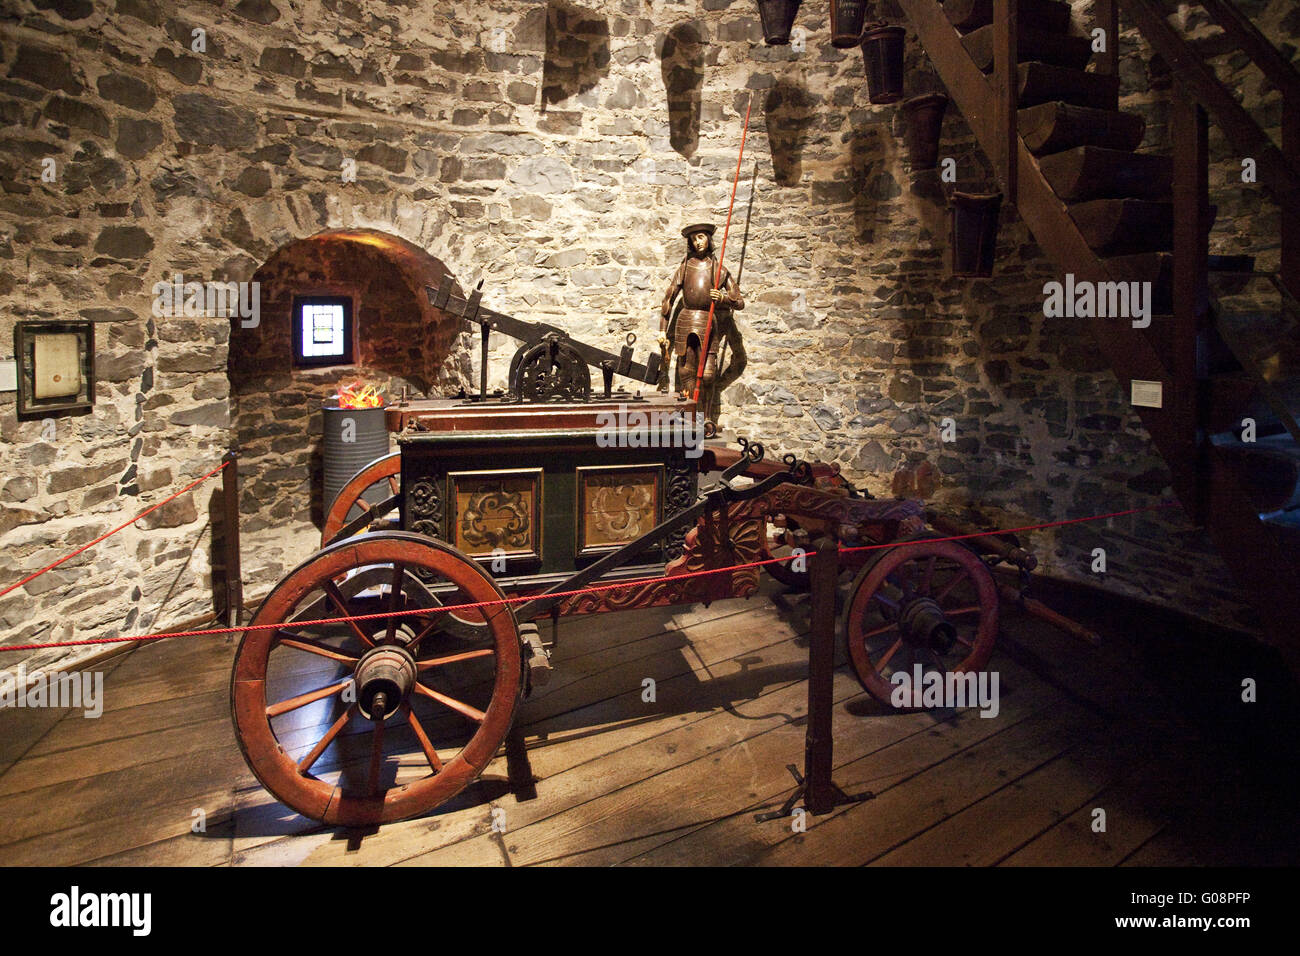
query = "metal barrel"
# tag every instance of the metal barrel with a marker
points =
(353, 438)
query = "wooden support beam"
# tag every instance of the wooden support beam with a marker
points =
(1185, 354)
(1006, 82)
(1107, 14)
(1290, 275)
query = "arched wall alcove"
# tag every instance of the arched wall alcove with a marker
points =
(400, 341)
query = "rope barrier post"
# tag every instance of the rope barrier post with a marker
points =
(230, 539)
(819, 747)
(815, 785)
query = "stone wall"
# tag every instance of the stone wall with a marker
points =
(553, 150)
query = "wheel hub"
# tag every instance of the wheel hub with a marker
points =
(924, 624)
(384, 678)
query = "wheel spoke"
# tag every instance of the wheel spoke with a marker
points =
(891, 604)
(340, 603)
(393, 484)
(430, 754)
(363, 505)
(947, 588)
(302, 700)
(884, 660)
(879, 630)
(433, 626)
(398, 571)
(306, 763)
(453, 658)
(963, 640)
(929, 574)
(298, 642)
(376, 758)
(969, 609)
(461, 708)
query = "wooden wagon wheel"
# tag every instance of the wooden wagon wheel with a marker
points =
(365, 722)
(364, 492)
(927, 602)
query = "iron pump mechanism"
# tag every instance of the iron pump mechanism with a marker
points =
(549, 366)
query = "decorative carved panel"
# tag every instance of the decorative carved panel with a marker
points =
(679, 494)
(497, 510)
(616, 504)
(424, 503)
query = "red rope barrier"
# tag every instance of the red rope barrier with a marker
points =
(591, 589)
(87, 547)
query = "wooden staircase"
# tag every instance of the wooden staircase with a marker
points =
(1066, 157)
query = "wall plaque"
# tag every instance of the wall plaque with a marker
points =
(55, 365)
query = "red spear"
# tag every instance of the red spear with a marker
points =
(717, 279)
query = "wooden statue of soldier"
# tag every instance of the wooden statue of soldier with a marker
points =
(683, 330)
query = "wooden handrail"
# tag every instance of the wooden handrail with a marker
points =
(1255, 45)
(1274, 170)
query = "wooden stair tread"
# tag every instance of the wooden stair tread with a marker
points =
(1268, 348)
(1046, 83)
(1095, 172)
(1286, 528)
(1232, 397)
(1059, 49)
(1052, 127)
(1269, 469)
(1048, 15)
(1117, 226)
(1154, 266)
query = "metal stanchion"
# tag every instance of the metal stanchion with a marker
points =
(814, 785)
(230, 521)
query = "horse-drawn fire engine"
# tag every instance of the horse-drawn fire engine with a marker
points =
(418, 620)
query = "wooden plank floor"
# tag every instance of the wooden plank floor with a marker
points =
(677, 781)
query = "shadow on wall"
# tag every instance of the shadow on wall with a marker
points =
(788, 112)
(577, 51)
(681, 63)
(400, 340)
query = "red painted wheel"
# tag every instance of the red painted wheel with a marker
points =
(784, 536)
(365, 722)
(932, 603)
(365, 492)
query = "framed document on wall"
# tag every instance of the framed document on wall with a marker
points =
(56, 367)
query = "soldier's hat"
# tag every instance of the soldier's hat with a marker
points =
(708, 227)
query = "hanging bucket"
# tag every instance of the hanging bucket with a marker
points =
(778, 18)
(846, 22)
(882, 55)
(974, 232)
(924, 123)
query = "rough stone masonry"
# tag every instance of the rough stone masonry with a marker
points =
(553, 149)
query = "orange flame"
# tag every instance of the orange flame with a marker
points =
(356, 394)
